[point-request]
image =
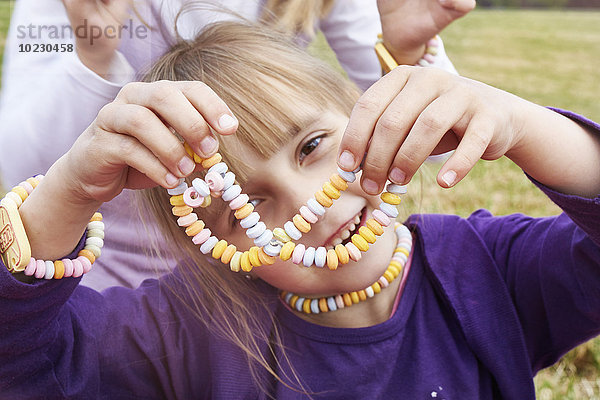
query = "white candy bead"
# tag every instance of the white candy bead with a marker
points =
(292, 231)
(231, 193)
(389, 210)
(288, 296)
(330, 303)
(256, 230)
(96, 241)
(96, 233)
(15, 198)
(272, 250)
(250, 220)
(320, 257)
(180, 189)
(299, 303)
(219, 168)
(347, 176)
(314, 206)
(396, 189)
(99, 225)
(201, 187)
(314, 306)
(309, 256)
(228, 180)
(369, 291)
(49, 270)
(208, 245)
(94, 249)
(264, 239)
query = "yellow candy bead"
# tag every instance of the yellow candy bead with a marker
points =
(396, 265)
(301, 223)
(279, 234)
(293, 301)
(367, 234)
(177, 200)
(331, 191)
(347, 299)
(388, 275)
(206, 202)
(394, 270)
(306, 306)
(323, 199)
(33, 182)
(253, 256)
(342, 253)
(332, 260)
(21, 192)
(360, 242)
(198, 159)
(390, 198)
(362, 295)
(376, 287)
(219, 248)
(234, 264)
(286, 251)
(354, 297)
(243, 211)
(182, 211)
(403, 251)
(374, 226)
(264, 258)
(194, 228)
(323, 304)
(188, 149)
(228, 254)
(245, 263)
(59, 269)
(338, 182)
(87, 254)
(209, 162)
(96, 217)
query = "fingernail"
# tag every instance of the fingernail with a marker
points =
(397, 175)
(171, 179)
(370, 186)
(208, 146)
(346, 160)
(449, 177)
(186, 166)
(226, 121)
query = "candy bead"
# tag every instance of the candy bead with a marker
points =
(192, 198)
(59, 269)
(256, 230)
(228, 180)
(395, 271)
(180, 211)
(360, 242)
(388, 275)
(253, 257)
(353, 251)
(99, 225)
(272, 249)
(374, 226)
(206, 202)
(331, 304)
(201, 187)
(32, 181)
(40, 269)
(331, 191)
(369, 292)
(214, 181)
(354, 297)
(367, 234)
(301, 223)
(188, 149)
(314, 206)
(234, 264)
(347, 176)
(231, 193)
(187, 220)
(219, 249)
(383, 282)
(77, 268)
(323, 304)
(87, 254)
(27, 186)
(179, 189)
(279, 234)
(30, 268)
(292, 231)
(228, 254)
(219, 168)
(339, 301)
(381, 217)
(201, 237)
(308, 215)
(208, 245)
(306, 306)
(243, 211)
(264, 239)
(250, 220)
(245, 264)
(265, 258)
(323, 199)
(320, 256)
(362, 296)
(332, 260)
(298, 254)
(396, 189)
(376, 287)
(22, 193)
(194, 228)
(96, 233)
(338, 182)
(96, 217)
(314, 306)
(96, 251)
(86, 264)
(286, 251)
(299, 303)
(209, 162)
(389, 210)
(294, 301)
(390, 198)
(342, 253)
(309, 256)
(177, 200)
(15, 198)
(49, 270)
(347, 299)
(68, 267)
(239, 201)
(94, 241)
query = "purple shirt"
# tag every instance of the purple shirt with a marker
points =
(488, 302)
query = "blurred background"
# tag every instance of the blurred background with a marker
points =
(547, 51)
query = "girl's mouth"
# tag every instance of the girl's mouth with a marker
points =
(344, 235)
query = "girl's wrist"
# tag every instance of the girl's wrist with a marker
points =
(406, 56)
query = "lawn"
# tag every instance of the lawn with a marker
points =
(549, 57)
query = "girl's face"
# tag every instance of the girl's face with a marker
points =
(278, 186)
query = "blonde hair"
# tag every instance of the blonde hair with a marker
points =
(265, 79)
(296, 16)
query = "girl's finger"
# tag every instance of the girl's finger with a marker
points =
(365, 115)
(390, 132)
(471, 148)
(142, 124)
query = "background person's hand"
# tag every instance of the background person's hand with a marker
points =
(407, 25)
(96, 25)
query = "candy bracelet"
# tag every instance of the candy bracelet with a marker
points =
(279, 242)
(14, 244)
(388, 62)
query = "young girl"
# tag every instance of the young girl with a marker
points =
(449, 307)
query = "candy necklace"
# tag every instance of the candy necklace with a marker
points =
(333, 303)
(279, 242)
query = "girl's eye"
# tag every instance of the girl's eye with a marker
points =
(309, 147)
(254, 202)
(234, 221)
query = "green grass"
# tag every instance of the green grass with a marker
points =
(5, 11)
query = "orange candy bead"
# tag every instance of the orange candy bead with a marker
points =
(87, 254)
(244, 211)
(374, 226)
(323, 199)
(342, 253)
(338, 182)
(332, 260)
(301, 223)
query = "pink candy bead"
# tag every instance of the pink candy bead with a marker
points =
(433, 42)
(77, 268)
(353, 251)
(87, 265)
(308, 215)
(430, 58)
(239, 201)
(187, 220)
(192, 198)
(383, 282)
(339, 301)
(30, 269)
(40, 270)
(215, 181)
(68, 267)
(202, 236)
(381, 217)
(27, 186)
(298, 254)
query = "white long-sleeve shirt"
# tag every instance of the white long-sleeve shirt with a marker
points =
(49, 98)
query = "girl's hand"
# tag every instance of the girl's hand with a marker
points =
(414, 112)
(96, 25)
(407, 25)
